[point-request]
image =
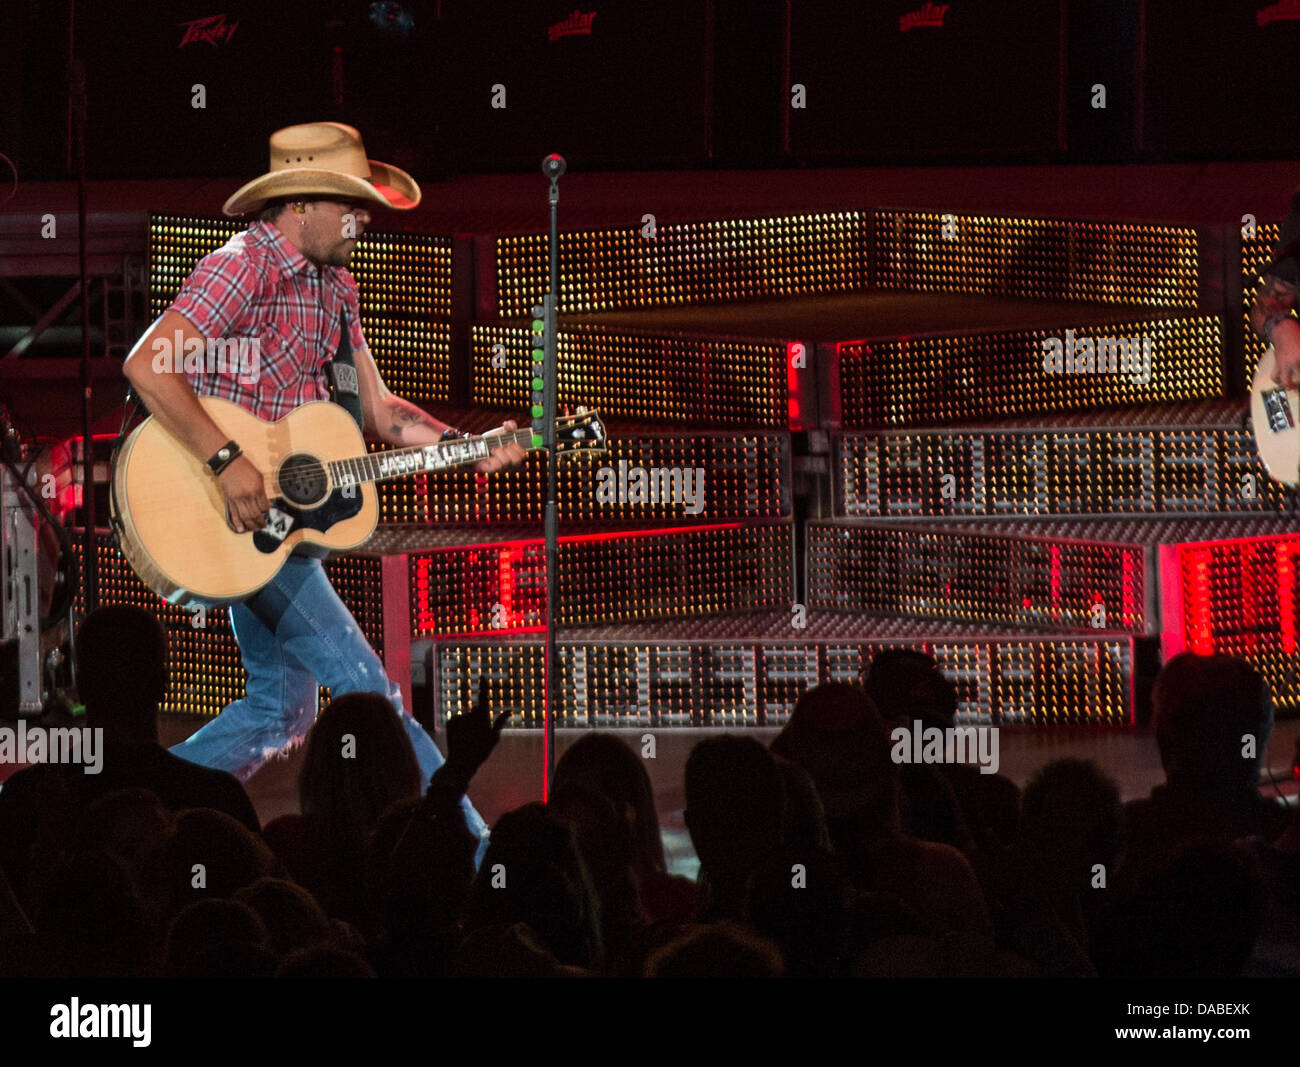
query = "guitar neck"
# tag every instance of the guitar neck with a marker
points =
(418, 459)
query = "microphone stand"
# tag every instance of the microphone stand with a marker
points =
(77, 152)
(553, 167)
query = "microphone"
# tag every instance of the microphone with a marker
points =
(553, 167)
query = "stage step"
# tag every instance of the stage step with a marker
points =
(749, 670)
(1046, 575)
(1170, 460)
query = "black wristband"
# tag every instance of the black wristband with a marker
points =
(223, 457)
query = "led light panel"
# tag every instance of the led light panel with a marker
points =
(1053, 471)
(206, 672)
(606, 577)
(1237, 597)
(744, 478)
(1043, 259)
(906, 381)
(1040, 582)
(701, 380)
(413, 358)
(726, 260)
(1048, 681)
(1256, 252)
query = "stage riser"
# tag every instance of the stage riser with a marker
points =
(1057, 472)
(941, 380)
(1088, 596)
(1041, 583)
(737, 260)
(1027, 682)
(1238, 596)
(746, 476)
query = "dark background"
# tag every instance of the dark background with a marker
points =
(677, 84)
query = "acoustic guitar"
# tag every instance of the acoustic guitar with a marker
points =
(1274, 414)
(170, 515)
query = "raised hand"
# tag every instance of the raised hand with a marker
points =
(471, 737)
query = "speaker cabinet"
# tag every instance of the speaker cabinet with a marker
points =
(911, 79)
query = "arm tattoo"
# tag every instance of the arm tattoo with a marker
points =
(408, 425)
(404, 417)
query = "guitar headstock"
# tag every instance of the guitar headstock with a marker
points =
(580, 432)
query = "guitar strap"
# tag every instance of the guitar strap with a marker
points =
(341, 372)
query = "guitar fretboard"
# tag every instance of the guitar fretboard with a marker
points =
(444, 455)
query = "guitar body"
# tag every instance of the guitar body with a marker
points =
(1275, 414)
(170, 513)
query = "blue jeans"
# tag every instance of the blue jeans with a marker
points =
(293, 635)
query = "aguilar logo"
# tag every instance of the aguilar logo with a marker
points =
(927, 15)
(574, 24)
(212, 29)
(1282, 11)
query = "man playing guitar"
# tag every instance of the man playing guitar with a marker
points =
(284, 282)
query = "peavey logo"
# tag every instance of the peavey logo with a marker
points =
(1282, 11)
(574, 24)
(927, 15)
(213, 29)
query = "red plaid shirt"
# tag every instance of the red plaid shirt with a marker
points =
(258, 286)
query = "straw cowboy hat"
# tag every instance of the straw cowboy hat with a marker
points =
(324, 159)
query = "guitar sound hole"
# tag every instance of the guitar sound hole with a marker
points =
(302, 480)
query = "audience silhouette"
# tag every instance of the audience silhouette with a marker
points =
(819, 856)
